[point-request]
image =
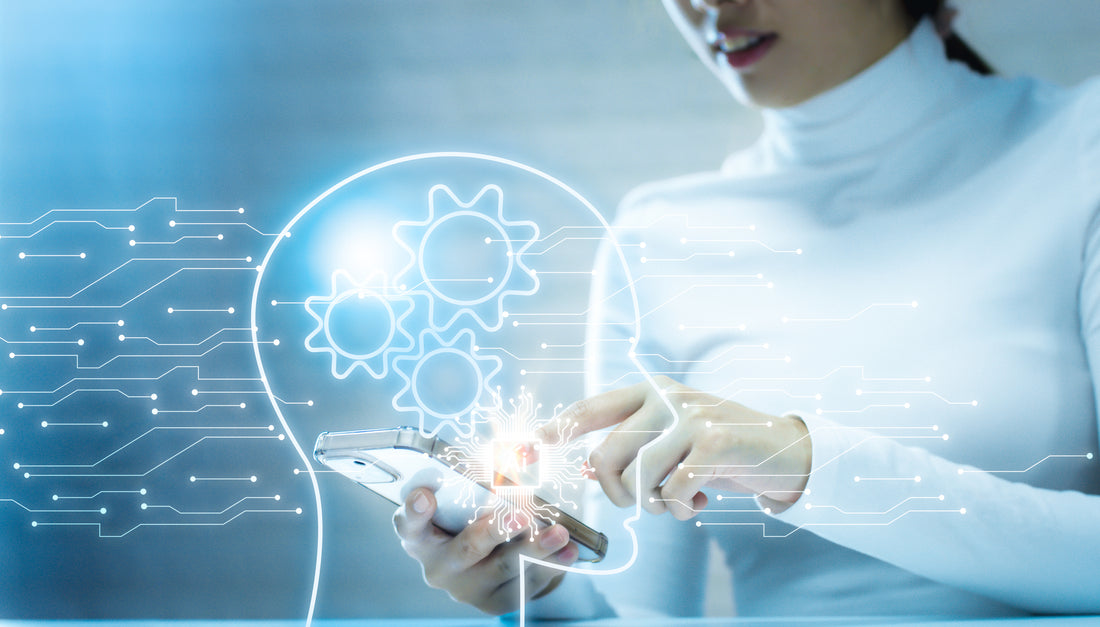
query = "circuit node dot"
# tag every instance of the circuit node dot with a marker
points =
(252, 478)
(103, 510)
(231, 310)
(45, 424)
(298, 510)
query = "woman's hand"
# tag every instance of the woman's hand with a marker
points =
(480, 566)
(715, 443)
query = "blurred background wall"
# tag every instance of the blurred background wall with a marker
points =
(265, 104)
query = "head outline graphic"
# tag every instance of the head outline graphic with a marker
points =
(284, 233)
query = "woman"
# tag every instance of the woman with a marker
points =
(915, 272)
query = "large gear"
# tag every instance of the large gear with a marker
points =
(465, 259)
(360, 325)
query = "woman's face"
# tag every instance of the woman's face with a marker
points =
(779, 53)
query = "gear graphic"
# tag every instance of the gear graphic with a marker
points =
(467, 261)
(359, 324)
(445, 379)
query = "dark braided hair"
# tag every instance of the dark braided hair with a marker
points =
(956, 48)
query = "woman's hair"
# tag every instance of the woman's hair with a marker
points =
(956, 48)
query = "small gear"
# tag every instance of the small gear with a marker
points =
(445, 379)
(361, 325)
(466, 259)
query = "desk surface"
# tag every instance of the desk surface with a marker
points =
(1062, 621)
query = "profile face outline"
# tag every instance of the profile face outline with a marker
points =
(447, 325)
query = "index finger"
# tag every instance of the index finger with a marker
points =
(594, 413)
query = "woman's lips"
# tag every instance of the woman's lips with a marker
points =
(742, 49)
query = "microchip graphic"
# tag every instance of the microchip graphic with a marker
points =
(511, 468)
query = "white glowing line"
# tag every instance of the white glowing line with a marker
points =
(297, 446)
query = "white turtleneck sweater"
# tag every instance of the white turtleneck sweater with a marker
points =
(919, 182)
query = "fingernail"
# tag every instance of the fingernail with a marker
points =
(420, 503)
(553, 537)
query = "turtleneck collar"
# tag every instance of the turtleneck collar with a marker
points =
(872, 109)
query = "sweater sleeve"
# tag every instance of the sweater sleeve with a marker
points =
(1033, 548)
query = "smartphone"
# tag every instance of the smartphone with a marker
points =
(394, 462)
